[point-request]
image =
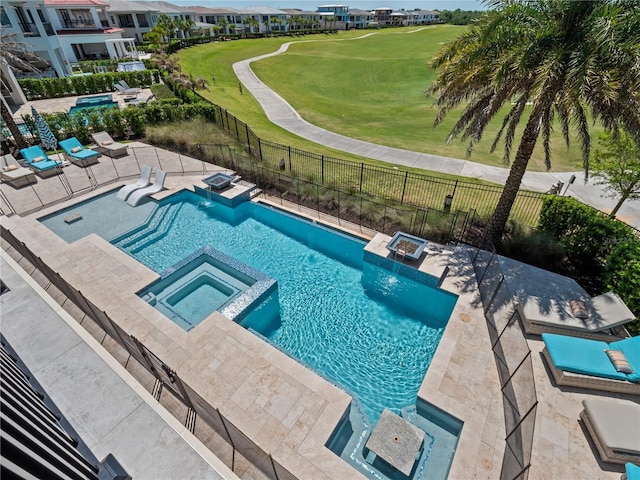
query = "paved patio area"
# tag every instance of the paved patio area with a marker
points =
(286, 409)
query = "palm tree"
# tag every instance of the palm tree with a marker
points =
(276, 21)
(11, 52)
(223, 23)
(576, 62)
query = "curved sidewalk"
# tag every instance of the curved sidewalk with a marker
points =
(282, 114)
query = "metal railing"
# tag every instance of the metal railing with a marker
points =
(513, 360)
(164, 375)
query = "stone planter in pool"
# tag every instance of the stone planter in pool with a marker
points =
(218, 181)
(407, 246)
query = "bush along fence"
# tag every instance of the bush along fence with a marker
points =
(40, 88)
(391, 184)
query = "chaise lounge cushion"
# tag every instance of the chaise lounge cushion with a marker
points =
(604, 311)
(616, 423)
(581, 355)
(630, 347)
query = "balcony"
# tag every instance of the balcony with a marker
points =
(29, 29)
(79, 24)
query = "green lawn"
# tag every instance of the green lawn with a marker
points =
(368, 88)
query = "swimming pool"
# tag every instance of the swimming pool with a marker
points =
(364, 327)
(367, 324)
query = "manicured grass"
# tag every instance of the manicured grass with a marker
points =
(369, 88)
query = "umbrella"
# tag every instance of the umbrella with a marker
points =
(50, 142)
(47, 137)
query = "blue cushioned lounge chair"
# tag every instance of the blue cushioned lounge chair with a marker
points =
(580, 362)
(39, 162)
(76, 153)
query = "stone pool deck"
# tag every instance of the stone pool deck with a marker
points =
(287, 409)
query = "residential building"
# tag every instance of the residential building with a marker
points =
(427, 17)
(302, 19)
(338, 12)
(271, 19)
(360, 18)
(29, 20)
(382, 15)
(84, 30)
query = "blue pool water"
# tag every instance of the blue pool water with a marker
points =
(376, 339)
(363, 326)
(83, 109)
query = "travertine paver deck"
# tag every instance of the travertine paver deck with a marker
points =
(289, 411)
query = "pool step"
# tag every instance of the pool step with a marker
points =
(157, 225)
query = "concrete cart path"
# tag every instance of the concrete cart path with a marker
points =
(283, 114)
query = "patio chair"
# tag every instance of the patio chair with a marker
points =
(76, 153)
(604, 312)
(594, 364)
(14, 174)
(143, 181)
(42, 165)
(107, 146)
(158, 184)
(126, 91)
(138, 101)
(631, 471)
(613, 427)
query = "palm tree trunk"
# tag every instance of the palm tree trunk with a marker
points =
(7, 117)
(619, 204)
(512, 185)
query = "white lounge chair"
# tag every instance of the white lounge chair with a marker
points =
(158, 184)
(143, 181)
(127, 91)
(613, 427)
(15, 175)
(605, 311)
(107, 146)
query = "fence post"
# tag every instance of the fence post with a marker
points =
(236, 122)
(404, 187)
(289, 157)
(260, 148)
(246, 130)
(361, 175)
(323, 169)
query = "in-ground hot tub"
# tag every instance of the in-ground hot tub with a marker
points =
(95, 100)
(218, 181)
(205, 282)
(407, 246)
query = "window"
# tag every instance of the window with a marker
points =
(5, 18)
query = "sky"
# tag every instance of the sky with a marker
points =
(359, 4)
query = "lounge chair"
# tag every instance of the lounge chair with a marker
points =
(143, 181)
(39, 162)
(605, 312)
(158, 184)
(613, 427)
(127, 91)
(15, 175)
(138, 101)
(631, 471)
(584, 363)
(76, 153)
(107, 146)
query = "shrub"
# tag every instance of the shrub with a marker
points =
(587, 234)
(535, 247)
(39, 88)
(622, 275)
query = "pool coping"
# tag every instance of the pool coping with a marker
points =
(252, 368)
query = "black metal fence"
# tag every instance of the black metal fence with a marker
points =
(392, 184)
(513, 360)
(166, 376)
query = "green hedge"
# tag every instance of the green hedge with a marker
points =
(122, 123)
(41, 88)
(596, 245)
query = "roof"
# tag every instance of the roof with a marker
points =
(127, 6)
(91, 3)
(262, 9)
(213, 11)
(297, 11)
